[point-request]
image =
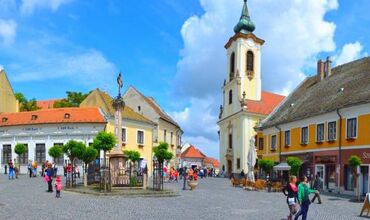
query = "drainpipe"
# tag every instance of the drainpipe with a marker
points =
(277, 127)
(340, 149)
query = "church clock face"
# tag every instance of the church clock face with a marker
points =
(251, 43)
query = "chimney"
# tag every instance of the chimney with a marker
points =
(320, 69)
(327, 67)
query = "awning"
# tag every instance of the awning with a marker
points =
(282, 167)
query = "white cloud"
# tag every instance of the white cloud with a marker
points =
(8, 30)
(295, 32)
(87, 68)
(348, 53)
(192, 120)
(29, 6)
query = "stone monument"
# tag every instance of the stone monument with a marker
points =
(117, 160)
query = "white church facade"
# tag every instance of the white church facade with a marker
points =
(244, 102)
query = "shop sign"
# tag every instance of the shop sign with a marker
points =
(366, 155)
(325, 159)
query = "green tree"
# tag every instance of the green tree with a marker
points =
(55, 152)
(354, 162)
(104, 141)
(295, 164)
(19, 149)
(26, 105)
(73, 99)
(74, 149)
(266, 165)
(161, 153)
(89, 155)
(20, 97)
(133, 157)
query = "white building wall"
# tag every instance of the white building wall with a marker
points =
(45, 134)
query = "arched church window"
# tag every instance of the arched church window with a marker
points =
(232, 66)
(250, 61)
(230, 96)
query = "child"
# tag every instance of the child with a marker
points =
(58, 186)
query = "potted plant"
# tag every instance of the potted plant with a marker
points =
(193, 181)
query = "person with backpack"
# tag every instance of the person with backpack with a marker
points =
(291, 193)
(304, 198)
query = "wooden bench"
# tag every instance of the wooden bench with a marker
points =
(237, 180)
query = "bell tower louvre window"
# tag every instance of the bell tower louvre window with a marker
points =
(250, 65)
(230, 97)
(232, 66)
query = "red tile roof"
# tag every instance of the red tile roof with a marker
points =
(46, 104)
(210, 160)
(53, 116)
(192, 152)
(269, 101)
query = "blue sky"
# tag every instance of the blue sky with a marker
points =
(171, 49)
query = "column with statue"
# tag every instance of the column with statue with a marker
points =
(117, 160)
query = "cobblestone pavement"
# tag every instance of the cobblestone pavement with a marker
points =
(26, 198)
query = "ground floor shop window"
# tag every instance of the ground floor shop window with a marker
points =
(6, 154)
(348, 178)
(40, 153)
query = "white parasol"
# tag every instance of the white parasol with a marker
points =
(252, 158)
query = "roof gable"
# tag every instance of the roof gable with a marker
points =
(101, 99)
(153, 105)
(314, 96)
(192, 152)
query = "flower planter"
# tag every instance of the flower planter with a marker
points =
(192, 184)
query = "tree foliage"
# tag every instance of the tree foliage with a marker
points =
(55, 151)
(26, 105)
(266, 165)
(89, 155)
(295, 164)
(132, 155)
(20, 149)
(74, 149)
(354, 161)
(161, 152)
(73, 99)
(104, 141)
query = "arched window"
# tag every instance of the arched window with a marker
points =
(250, 61)
(232, 65)
(230, 96)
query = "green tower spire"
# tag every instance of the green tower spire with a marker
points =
(245, 25)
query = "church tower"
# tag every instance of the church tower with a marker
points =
(242, 84)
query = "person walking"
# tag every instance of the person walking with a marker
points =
(317, 185)
(291, 193)
(29, 166)
(58, 186)
(11, 170)
(49, 172)
(303, 198)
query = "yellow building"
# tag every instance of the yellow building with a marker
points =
(137, 130)
(324, 121)
(8, 102)
(244, 103)
(167, 129)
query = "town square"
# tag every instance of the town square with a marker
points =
(174, 109)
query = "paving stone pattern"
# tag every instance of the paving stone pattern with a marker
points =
(26, 198)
